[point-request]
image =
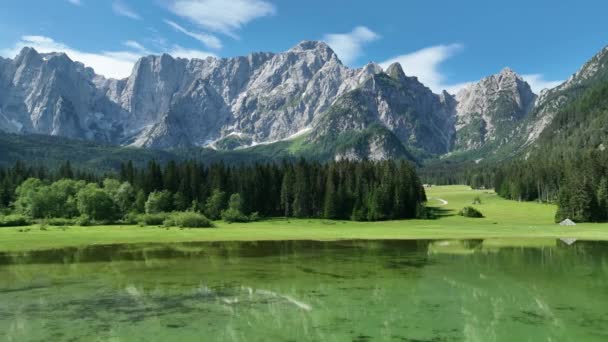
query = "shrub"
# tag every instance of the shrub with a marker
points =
(254, 217)
(233, 215)
(153, 219)
(188, 219)
(83, 220)
(470, 212)
(132, 218)
(14, 220)
(422, 212)
(477, 200)
(234, 212)
(58, 222)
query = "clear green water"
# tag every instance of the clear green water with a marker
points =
(309, 291)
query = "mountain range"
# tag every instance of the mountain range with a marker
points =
(303, 101)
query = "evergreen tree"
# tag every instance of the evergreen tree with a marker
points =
(301, 191)
(330, 206)
(287, 192)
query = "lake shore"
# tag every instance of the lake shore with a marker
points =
(503, 219)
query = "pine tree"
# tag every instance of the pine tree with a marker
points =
(301, 191)
(287, 192)
(330, 206)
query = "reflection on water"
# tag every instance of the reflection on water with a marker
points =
(474, 290)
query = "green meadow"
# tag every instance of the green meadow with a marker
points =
(502, 219)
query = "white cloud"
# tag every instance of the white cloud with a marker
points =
(425, 64)
(348, 46)
(455, 88)
(222, 15)
(114, 64)
(135, 46)
(123, 9)
(178, 51)
(75, 2)
(537, 82)
(209, 40)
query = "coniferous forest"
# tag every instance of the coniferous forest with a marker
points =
(363, 191)
(577, 183)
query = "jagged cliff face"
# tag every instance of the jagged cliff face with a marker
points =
(169, 102)
(385, 113)
(488, 111)
(47, 94)
(365, 113)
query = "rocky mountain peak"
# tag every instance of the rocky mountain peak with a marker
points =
(28, 55)
(170, 102)
(508, 72)
(490, 108)
(317, 48)
(307, 45)
(395, 71)
(372, 68)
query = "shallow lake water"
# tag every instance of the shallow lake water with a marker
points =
(478, 290)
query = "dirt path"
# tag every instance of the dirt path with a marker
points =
(443, 202)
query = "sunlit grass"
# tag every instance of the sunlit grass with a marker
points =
(503, 219)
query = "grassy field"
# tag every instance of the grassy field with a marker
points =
(503, 219)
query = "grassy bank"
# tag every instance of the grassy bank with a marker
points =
(503, 219)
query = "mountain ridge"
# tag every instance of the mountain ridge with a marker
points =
(264, 98)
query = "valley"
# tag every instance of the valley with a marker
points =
(508, 222)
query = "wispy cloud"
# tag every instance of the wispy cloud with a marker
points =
(114, 64)
(209, 40)
(425, 64)
(537, 82)
(178, 51)
(222, 16)
(121, 8)
(456, 87)
(135, 46)
(348, 46)
(75, 2)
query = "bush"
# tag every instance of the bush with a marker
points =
(132, 218)
(83, 221)
(234, 212)
(470, 212)
(188, 219)
(477, 200)
(14, 220)
(58, 222)
(254, 217)
(153, 219)
(233, 215)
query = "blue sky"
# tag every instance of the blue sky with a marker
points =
(445, 43)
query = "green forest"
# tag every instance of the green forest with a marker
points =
(362, 191)
(568, 165)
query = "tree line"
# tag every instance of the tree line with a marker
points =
(576, 182)
(335, 190)
(578, 185)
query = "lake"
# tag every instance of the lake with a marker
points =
(474, 290)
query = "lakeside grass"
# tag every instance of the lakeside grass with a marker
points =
(503, 220)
